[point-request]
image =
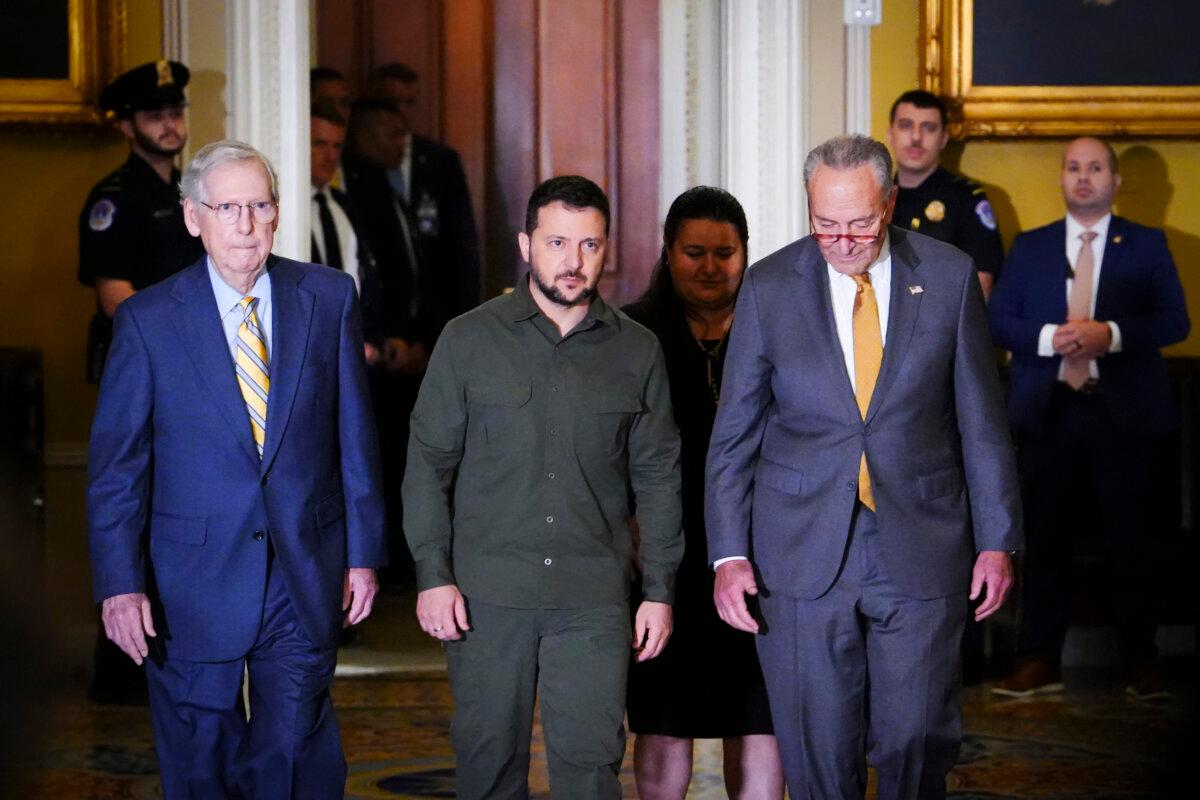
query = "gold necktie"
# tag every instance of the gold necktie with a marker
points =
(868, 355)
(253, 373)
(1079, 306)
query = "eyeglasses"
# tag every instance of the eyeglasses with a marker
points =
(854, 238)
(263, 211)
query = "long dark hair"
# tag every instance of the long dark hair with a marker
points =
(699, 202)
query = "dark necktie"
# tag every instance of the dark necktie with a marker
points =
(333, 247)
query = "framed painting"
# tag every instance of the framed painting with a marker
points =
(1064, 67)
(56, 56)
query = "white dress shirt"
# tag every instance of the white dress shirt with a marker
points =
(1073, 242)
(347, 239)
(842, 291)
(229, 304)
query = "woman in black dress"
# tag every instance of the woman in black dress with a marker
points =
(707, 683)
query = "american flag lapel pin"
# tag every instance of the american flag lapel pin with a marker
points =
(915, 290)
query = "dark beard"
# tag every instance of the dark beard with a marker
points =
(148, 145)
(555, 296)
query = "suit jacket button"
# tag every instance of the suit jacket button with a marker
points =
(259, 536)
(265, 479)
(850, 486)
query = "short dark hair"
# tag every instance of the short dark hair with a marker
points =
(699, 202)
(921, 99)
(321, 74)
(370, 107)
(395, 71)
(573, 191)
(327, 110)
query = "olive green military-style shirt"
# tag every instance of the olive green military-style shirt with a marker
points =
(525, 451)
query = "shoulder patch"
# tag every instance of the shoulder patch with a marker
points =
(983, 210)
(100, 217)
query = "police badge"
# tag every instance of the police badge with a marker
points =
(935, 211)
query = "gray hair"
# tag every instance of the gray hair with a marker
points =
(849, 151)
(218, 154)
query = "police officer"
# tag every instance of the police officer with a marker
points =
(933, 201)
(131, 235)
(131, 231)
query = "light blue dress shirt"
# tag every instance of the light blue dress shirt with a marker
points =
(229, 304)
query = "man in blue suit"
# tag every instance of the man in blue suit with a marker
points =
(1084, 304)
(861, 483)
(234, 509)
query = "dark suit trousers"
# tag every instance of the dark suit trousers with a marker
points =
(863, 670)
(1084, 461)
(290, 748)
(575, 661)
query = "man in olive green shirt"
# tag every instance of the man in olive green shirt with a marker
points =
(541, 414)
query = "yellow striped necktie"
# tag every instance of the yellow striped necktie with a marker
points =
(253, 372)
(868, 356)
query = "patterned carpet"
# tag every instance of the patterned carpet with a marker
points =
(1091, 743)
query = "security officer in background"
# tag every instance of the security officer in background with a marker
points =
(131, 235)
(131, 231)
(933, 201)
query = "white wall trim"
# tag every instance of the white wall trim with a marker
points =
(267, 62)
(858, 79)
(766, 116)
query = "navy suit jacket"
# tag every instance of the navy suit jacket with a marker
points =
(783, 461)
(1139, 290)
(176, 490)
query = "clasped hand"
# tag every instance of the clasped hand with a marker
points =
(1082, 338)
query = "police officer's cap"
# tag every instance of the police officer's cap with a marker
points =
(158, 84)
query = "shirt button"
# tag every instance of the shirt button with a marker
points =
(550, 476)
(554, 432)
(259, 536)
(550, 518)
(556, 388)
(547, 562)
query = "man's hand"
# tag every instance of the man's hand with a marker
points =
(127, 621)
(651, 629)
(1094, 338)
(994, 568)
(735, 580)
(358, 595)
(371, 354)
(1082, 338)
(442, 612)
(395, 353)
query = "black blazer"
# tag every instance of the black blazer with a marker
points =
(441, 203)
(370, 289)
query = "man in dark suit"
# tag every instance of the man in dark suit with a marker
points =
(234, 510)
(858, 467)
(432, 184)
(338, 239)
(1084, 304)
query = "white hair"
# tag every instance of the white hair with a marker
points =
(217, 154)
(849, 151)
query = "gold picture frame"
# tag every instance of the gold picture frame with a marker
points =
(96, 54)
(947, 64)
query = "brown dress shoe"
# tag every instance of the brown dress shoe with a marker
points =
(1145, 683)
(1031, 677)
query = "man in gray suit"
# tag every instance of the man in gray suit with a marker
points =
(860, 463)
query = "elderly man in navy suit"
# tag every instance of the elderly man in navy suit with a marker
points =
(861, 483)
(1084, 305)
(234, 509)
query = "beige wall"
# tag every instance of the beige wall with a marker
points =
(47, 175)
(1161, 175)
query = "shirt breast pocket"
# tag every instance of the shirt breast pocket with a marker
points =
(605, 428)
(500, 407)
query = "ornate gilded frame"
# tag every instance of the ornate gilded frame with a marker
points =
(947, 34)
(96, 39)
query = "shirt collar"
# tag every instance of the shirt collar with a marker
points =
(1075, 227)
(229, 298)
(525, 307)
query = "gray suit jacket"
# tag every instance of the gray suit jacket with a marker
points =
(783, 462)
